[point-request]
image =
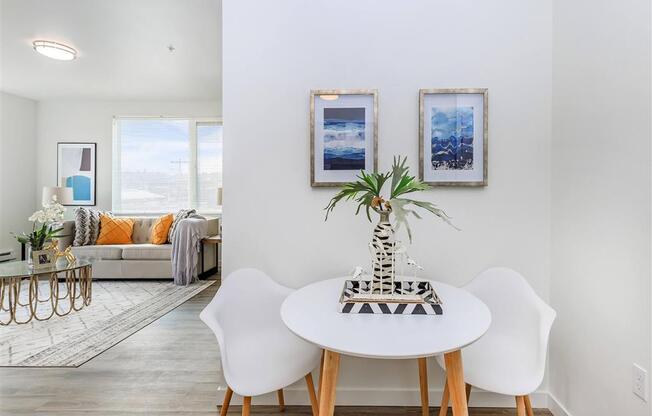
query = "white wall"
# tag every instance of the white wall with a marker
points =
(275, 52)
(17, 166)
(601, 189)
(92, 121)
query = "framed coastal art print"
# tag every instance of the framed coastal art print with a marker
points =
(453, 136)
(76, 170)
(343, 135)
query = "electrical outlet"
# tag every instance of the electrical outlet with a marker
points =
(639, 382)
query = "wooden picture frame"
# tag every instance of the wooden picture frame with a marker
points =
(458, 159)
(353, 114)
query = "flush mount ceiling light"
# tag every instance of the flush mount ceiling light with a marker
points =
(54, 50)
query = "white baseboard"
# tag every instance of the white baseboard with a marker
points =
(394, 397)
(556, 408)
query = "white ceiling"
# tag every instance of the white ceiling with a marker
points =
(122, 47)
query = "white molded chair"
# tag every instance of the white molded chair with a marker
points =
(510, 358)
(259, 354)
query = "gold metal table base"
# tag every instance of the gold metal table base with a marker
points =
(78, 284)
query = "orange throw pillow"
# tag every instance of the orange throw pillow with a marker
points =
(159, 234)
(115, 230)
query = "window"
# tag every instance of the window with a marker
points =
(166, 164)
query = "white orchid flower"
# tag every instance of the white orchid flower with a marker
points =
(52, 212)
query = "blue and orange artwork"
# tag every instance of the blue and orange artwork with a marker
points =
(452, 138)
(344, 138)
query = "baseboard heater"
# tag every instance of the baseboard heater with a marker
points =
(6, 255)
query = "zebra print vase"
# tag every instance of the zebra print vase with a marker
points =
(383, 261)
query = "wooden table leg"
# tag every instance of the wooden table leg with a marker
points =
(321, 373)
(456, 385)
(328, 382)
(423, 386)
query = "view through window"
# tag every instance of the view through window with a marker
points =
(165, 164)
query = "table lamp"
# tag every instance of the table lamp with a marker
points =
(63, 195)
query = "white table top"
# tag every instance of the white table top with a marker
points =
(312, 314)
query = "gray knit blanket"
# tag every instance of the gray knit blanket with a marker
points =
(185, 249)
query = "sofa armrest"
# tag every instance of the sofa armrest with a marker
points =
(66, 235)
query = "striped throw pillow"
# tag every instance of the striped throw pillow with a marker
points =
(87, 226)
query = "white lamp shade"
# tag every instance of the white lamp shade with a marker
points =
(62, 194)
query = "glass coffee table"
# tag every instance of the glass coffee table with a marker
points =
(63, 288)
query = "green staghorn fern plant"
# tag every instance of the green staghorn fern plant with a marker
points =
(367, 193)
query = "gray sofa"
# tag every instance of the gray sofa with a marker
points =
(140, 260)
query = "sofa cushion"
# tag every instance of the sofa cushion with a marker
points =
(160, 229)
(147, 252)
(142, 229)
(115, 230)
(87, 226)
(104, 252)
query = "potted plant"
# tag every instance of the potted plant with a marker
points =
(45, 226)
(367, 192)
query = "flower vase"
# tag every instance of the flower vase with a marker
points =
(383, 255)
(28, 255)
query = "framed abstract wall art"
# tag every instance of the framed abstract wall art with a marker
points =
(453, 136)
(76, 170)
(343, 135)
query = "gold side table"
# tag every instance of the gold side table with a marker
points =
(19, 288)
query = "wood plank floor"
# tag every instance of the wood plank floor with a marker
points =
(167, 368)
(376, 411)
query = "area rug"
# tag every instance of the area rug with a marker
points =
(118, 310)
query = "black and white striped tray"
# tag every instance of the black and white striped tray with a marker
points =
(410, 298)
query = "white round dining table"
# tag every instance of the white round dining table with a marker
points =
(312, 313)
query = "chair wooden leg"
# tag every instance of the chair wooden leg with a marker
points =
(456, 386)
(321, 374)
(281, 400)
(313, 397)
(327, 394)
(445, 398)
(520, 406)
(423, 386)
(246, 406)
(528, 406)
(226, 402)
